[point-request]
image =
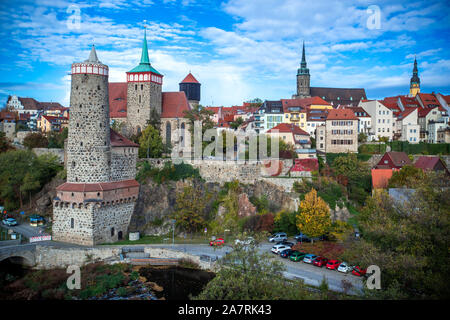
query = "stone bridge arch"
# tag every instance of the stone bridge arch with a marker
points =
(22, 254)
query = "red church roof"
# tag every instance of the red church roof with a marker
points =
(174, 104)
(117, 140)
(117, 99)
(190, 79)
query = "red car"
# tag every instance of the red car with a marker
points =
(358, 271)
(333, 264)
(320, 261)
(217, 242)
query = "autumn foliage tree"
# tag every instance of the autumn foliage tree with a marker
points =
(190, 207)
(313, 218)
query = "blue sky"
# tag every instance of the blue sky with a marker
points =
(237, 49)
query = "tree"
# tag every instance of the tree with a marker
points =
(150, 143)
(56, 139)
(190, 207)
(313, 218)
(199, 113)
(237, 123)
(406, 177)
(362, 137)
(35, 140)
(247, 274)
(408, 240)
(5, 145)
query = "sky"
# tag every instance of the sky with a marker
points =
(237, 49)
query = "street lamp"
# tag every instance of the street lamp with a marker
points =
(173, 231)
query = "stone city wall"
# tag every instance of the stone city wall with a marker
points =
(123, 163)
(226, 171)
(54, 151)
(48, 257)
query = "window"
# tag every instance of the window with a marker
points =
(135, 87)
(112, 232)
(72, 223)
(142, 87)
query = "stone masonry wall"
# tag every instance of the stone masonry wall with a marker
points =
(88, 146)
(226, 171)
(54, 151)
(123, 163)
(140, 102)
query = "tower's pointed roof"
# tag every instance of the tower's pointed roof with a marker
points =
(144, 65)
(93, 56)
(303, 69)
(415, 77)
(189, 79)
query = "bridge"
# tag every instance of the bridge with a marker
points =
(24, 254)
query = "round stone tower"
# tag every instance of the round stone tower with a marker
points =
(88, 146)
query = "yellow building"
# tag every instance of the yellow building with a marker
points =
(47, 124)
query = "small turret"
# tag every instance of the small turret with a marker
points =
(191, 88)
(414, 87)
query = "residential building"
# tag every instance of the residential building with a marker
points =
(393, 160)
(364, 119)
(273, 114)
(8, 123)
(340, 132)
(314, 119)
(48, 124)
(292, 134)
(294, 112)
(434, 128)
(382, 119)
(431, 163)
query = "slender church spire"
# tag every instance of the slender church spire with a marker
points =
(303, 67)
(414, 87)
(144, 55)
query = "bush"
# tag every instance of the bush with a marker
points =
(169, 172)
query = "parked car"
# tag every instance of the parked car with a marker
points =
(278, 248)
(297, 256)
(333, 264)
(286, 243)
(9, 222)
(302, 237)
(320, 261)
(246, 242)
(309, 258)
(280, 236)
(286, 253)
(217, 242)
(358, 271)
(344, 267)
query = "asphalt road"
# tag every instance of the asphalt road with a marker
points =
(310, 274)
(25, 230)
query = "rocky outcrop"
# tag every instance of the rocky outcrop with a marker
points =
(277, 197)
(245, 207)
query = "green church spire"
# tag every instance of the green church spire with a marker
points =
(145, 64)
(303, 69)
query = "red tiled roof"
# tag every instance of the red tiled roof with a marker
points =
(426, 162)
(399, 159)
(288, 127)
(423, 112)
(117, 99)
(430, 101)
(174, 104)
(117, 140)
(303, 103)
(305, 165)
(341, 114)
(403, 114)
(53, 118)
(380, 177)
(190, 79)
(409, 101)
(391, 103)
(7, 115)
(101, 186)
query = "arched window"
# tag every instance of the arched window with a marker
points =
(138, 129)
(72, 223)
(168, 133)
(112, 232)
(182, 134)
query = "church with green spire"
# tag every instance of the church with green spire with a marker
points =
(144, 93)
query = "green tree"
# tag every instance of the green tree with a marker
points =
(189, 209)
(5, 145)
(199, 113)
(406, 177)
(408, 240)
(247, 274)
(35, 140)
(150, 143)
(313, 218)
(237, 123)
(362, 137)
(56, 139)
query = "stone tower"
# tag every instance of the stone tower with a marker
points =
(96, 203)
(88, 145)
(414, 87)
(144, 97)
(191, 88)
(303, 78)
